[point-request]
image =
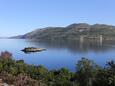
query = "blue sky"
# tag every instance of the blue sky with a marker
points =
(22, 16)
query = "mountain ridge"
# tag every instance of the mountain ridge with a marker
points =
(72, 31)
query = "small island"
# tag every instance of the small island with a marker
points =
(33, 49)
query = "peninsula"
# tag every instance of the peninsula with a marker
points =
(76, 31)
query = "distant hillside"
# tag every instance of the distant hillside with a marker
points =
(73, 31)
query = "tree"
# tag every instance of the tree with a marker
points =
(85, 72)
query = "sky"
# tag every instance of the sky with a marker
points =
(21, 16)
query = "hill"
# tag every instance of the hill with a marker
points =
(73, 31)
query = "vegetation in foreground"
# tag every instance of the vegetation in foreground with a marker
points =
(87, 73)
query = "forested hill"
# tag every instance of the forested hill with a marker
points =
(73, 31)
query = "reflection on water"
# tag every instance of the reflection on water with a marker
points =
(75, 45)
(60, 53)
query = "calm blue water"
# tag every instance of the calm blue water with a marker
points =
(59, 53)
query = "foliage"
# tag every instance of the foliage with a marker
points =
(87, 73)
